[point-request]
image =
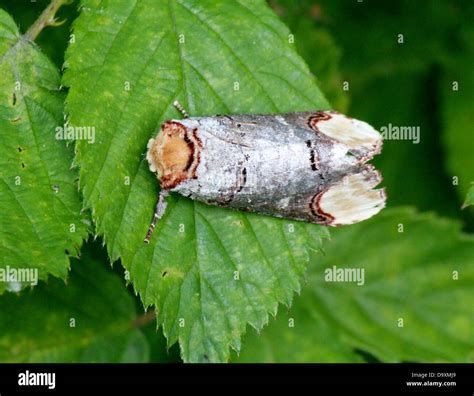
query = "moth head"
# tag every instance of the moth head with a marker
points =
(174, 154)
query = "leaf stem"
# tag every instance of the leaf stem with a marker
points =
(144, 319)
(45, 19)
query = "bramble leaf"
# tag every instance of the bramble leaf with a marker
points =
(41, 224)
(469, 198)
(415, 304)
(209, 271)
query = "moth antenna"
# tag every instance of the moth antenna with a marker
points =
(159, 212)
(181, 109)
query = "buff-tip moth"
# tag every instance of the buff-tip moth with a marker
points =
(308, 166)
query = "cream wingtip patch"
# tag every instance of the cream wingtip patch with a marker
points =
(360, 137)
(353, 199)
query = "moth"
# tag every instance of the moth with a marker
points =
(307, 166)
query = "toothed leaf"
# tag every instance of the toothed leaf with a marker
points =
(209, 271)
(41, 224)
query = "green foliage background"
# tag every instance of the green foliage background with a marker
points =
(286, 56)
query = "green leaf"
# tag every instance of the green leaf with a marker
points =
(41, 224)
(302, 335)
(209, 271)
(89, 320)
(469, 197)
(456, 89)
(423, 275)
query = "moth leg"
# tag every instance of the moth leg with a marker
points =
(181, 109)
(159, 212)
